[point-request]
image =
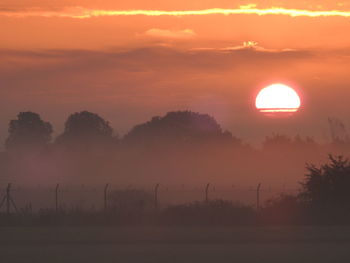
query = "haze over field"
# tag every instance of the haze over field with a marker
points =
(178, 148)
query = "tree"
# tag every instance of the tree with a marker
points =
(85, 147)
(28, 132)
(279, 141)
(85, 128)
(180, 126)
(276, 141)
(329, 184)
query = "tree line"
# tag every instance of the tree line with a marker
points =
(179, 146)
(29, 132)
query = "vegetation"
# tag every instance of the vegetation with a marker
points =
(215, 212)
(181, 126)
(178, 145)
(83, 129)
(28, 133)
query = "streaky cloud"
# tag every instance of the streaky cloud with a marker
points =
(84, 13)
(174, 34)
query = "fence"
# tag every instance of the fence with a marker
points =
(95, 198)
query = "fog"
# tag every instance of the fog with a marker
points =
(177, 148)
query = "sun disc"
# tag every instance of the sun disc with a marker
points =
(277, 98)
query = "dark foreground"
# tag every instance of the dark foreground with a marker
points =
(174, 244)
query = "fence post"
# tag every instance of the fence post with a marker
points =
(206, 193)
(8, 199)
(258, 196)
(8, 204)
(56, 197)
(156, 196)
(106, 196)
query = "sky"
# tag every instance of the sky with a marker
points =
(134, 60)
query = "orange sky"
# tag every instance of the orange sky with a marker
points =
(129, 68)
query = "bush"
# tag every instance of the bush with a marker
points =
(285, 209)
(216, 212)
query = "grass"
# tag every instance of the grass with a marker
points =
(174, 244)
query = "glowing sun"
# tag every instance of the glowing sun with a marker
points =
(277, 98)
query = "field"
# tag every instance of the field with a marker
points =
(174, 244)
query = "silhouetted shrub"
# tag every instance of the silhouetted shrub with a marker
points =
(329, 184)
(284, 209)
(132, 199)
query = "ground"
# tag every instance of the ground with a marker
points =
(174, 244)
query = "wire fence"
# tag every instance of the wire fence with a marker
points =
(95, 198)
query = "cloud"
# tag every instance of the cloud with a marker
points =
(140, 73)
(154, 58)
(172, 34)
(152, 78)
(251, 9)
(253, 48)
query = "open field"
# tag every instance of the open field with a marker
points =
(175, 244)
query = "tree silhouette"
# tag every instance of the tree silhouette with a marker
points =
(180, 126)
(28, 132)
(280, 141)
(85, 128)
(276, 141)
(328, 185)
